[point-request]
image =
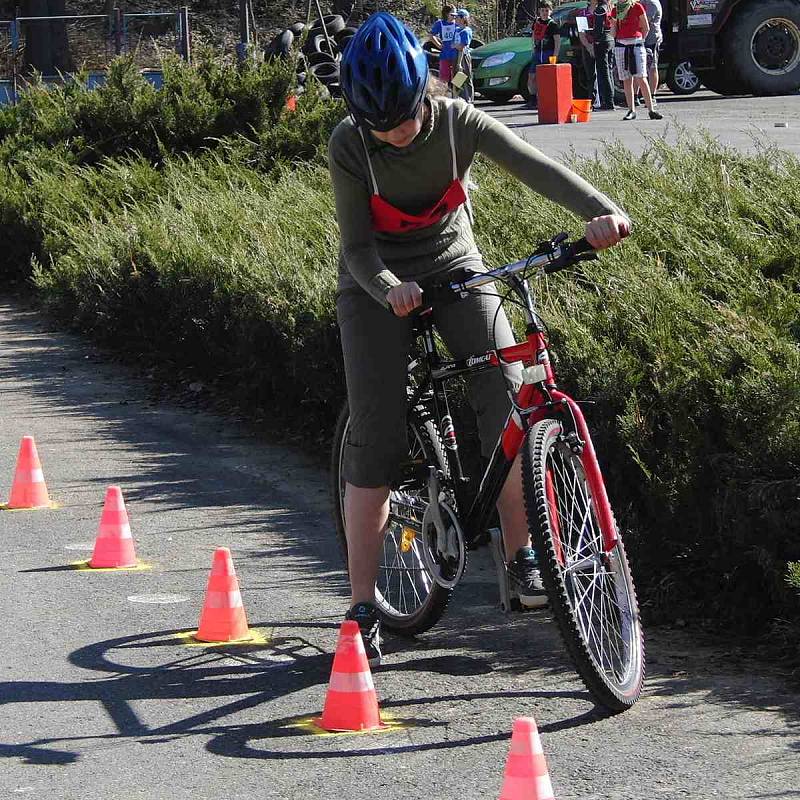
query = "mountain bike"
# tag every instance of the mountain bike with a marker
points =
(435, 520)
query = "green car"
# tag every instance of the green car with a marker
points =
(500, 69)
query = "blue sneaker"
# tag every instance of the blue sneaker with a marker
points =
(525, 579)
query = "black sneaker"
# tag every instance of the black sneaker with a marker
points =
(369, 621)
(525, 579)
(656, 115)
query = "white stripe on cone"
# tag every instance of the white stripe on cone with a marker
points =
(117, 531)
(532, 745)
(351, 682)
(224, 599)
(29, 476)
(521, 787)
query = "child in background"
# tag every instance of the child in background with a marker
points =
(461, 43)
(546, 42)
(442, 34)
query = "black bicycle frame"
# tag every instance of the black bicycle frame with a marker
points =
(481, 507)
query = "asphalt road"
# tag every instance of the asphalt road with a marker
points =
(744, 123)
(101, 700)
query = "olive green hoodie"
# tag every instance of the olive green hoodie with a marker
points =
(414, 178)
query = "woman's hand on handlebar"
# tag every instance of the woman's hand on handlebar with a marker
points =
(606, 231)
(404, 298)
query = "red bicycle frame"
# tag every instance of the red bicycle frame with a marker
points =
(537, 399)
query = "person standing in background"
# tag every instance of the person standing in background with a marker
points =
(603, 47)
(545, 41)
(442, 34)
(587, 52)
(630, 27)
(652, 44)
(461, 43)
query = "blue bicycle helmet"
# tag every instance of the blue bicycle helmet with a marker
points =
(383, 73)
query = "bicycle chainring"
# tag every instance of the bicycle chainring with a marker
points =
(445, 555)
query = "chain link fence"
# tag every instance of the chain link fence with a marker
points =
(58, 46)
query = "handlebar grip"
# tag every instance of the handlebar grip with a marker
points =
(437, 295)
(581, 246)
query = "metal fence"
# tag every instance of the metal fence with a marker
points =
(65, 44)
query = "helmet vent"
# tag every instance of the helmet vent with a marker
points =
(410, 64)
(377, 79)
(391, 63)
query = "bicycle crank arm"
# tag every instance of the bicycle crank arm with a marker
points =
(443, 542)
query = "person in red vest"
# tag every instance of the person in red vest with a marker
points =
(545, 41)
(630, 28)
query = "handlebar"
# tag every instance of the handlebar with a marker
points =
(549, 257)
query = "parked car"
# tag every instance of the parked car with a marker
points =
(500, 69)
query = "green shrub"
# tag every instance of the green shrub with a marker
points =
(221, 257)
(197, 107)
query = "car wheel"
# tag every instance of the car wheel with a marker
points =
(523, 83)
(681, 79)
(497, 97)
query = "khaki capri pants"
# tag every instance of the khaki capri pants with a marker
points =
(376, 344)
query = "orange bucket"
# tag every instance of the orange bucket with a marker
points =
(582, 109)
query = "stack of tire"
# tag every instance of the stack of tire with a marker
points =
(325, 41)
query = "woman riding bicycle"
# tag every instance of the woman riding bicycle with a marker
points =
(400, 167)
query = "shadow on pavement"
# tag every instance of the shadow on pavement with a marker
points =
(285, 665)
(177, 458)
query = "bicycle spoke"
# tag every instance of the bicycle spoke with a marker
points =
(601, 604)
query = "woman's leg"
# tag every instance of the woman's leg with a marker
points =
(511, 507)
(471, 327)
(628, 84)
(644, 87)
(366, 512)
(532, 81)
(375, 346)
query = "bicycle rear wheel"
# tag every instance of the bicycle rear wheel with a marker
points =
(591, 591)
(406, 595)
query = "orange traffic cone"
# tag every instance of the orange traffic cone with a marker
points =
(526, 770)
(351, 703)
(113, 546)
(28, 489)
(223, 618)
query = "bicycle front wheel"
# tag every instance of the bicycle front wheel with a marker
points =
(408, 598)
(591, 591)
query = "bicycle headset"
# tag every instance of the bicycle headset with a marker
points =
(384, 73)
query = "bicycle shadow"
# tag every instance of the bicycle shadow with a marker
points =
(285, 665)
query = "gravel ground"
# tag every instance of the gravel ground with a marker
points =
(101, 700)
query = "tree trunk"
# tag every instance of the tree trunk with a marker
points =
(46, 43)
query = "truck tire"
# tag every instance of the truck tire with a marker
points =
(721, 81)
(761, 44)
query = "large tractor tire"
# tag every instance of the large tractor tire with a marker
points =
(761, 45)
(721, 81)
